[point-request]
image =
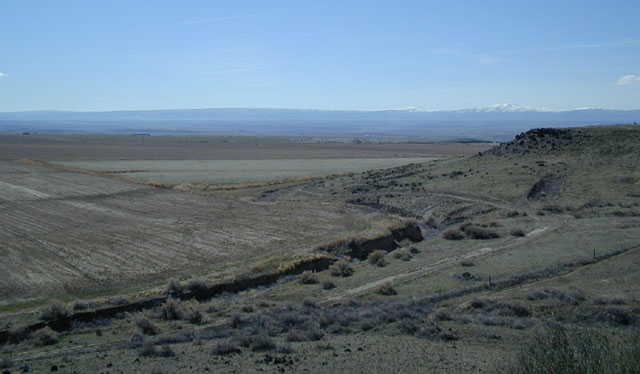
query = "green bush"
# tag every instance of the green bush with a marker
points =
(197, 286)
(402, 255)
(6, 363)
(308, 277)
(377, 258)
(387, 289)
(341, 269)
(150, 350)
(195, 316)
(55, 311)
(518, 232)
(146, 327)
(328, 285)
(453, 235)
(45, 336)
(171, 310)
(225, 348)
(479, 233)
(17, 335)
(174, 288)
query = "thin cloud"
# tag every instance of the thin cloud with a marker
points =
(2, 74)
(488, 60)
(208, 20)
(578, 45)
(628, 79)
(496, 56)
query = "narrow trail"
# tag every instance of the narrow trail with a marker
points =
(441, 264)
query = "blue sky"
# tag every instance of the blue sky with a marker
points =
(112, 55)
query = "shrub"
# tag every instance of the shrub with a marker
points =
(616, 317)
(259, 343)
(537, 295)
(80, 305)
(559, 350)
(195, 316)
(414, 250)
(574, 296)
(225, 348)
(166, 351)
(513, 213)
(146, 327)
(306, 335)
(118, 300)
(147, 350)
(467, 263)
(387, 289)
(512, 323)
(308, 277)
(511, 310)
(609, 301)
(171, 310)
(284, 349)
(45, 336)
(55, 311)
(468, 277)
(402, 255)
(6, 363)
(309, 303)
(236, 321)
(137, 339)
(197, 286)
(341, 268)
(328, 285)
(174, 288)
(377, 258)
(325, 347)
(518, 233)
(453, 235)
(409, 326)
(150, 350)
(442, 315)
(479, 233)
(247, 309)
(17, 335)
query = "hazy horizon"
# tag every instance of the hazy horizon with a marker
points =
(494, 107)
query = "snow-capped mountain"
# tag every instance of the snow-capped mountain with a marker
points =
(502, 108)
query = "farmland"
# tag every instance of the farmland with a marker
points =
(96, 147)
(235, 171)
(69, 233)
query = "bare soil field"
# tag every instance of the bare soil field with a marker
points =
(69, 233)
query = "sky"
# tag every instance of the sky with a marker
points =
(365, 55)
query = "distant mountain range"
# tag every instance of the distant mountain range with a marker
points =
(498, 122)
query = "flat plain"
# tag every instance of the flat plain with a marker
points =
(220, 172)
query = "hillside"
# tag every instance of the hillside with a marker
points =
(486, 252)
